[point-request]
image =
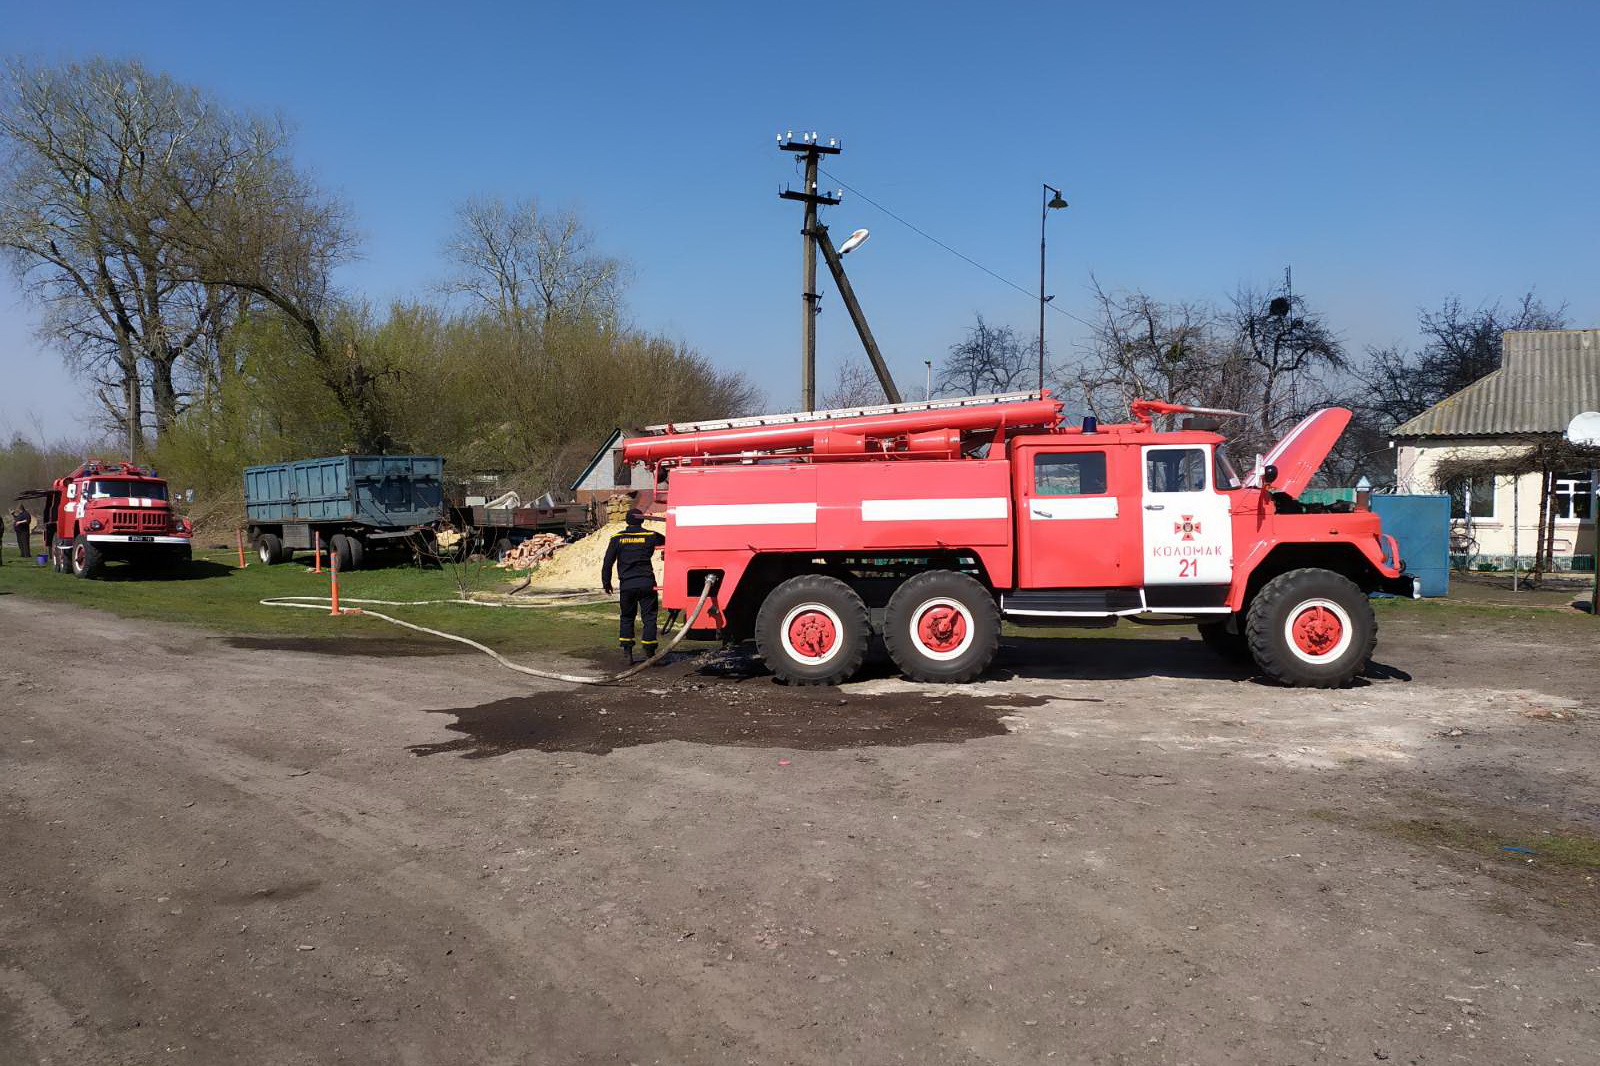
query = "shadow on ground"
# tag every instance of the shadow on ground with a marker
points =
(198, 570)
(355, 647)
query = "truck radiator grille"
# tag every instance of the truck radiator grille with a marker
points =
(139, 521)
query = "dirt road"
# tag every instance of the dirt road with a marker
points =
(224, 851)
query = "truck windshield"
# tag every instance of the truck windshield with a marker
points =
(101, 488)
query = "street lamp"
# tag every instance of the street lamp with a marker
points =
(1052, 202)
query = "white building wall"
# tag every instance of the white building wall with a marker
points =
(1514, 528)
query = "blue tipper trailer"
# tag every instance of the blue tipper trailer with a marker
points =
(354, 503)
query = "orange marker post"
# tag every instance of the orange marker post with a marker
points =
(316, 551)
(333, 571)
(242, 563)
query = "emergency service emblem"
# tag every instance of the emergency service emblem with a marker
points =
(1188, 527)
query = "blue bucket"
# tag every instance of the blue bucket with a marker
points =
(41, 559)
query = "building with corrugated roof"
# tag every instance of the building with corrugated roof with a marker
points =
(1545, 378)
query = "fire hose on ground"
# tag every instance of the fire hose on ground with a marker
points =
(323, 603)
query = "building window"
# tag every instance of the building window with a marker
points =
(1070, 474)
(1572, 496)
(1175, 469)
(1472, 497)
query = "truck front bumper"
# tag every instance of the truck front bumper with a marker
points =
(133, 538)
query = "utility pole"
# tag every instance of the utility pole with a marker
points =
(848, 295)
(808, 147)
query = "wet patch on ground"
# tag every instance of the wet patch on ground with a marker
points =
(355, 647)
(724, 702)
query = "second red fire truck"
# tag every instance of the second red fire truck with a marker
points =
(929, 523)
(106, 510)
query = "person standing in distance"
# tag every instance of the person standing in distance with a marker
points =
(630, 552)
(22, 526)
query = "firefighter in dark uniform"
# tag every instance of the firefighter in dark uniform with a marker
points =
(630, 552)
(22, 526)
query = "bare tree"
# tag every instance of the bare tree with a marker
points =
(854, 385)
(989, 359)
(526, 266)
(99, 160)
(1459, 347)
(1147, 348)
(1292, 350)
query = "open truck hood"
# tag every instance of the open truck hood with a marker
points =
(1298, 455)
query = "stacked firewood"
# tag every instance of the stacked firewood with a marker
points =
(533, 551)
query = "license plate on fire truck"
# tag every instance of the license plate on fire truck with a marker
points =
(141, 540)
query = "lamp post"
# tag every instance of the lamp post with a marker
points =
(1052, 200)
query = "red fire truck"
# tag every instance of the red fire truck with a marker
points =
(930, 523)
(111, 510)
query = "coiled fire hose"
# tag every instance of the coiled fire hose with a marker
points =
(322, 603)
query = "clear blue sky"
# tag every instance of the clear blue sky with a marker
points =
(1394, 153)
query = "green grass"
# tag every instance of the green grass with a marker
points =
(213, 593)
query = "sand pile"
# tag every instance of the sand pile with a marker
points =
(577, 566)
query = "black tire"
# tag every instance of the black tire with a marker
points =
(501, 546)
(1235, 647)
(942, 627)
(836, 615)
(269, 549)
(358, 553)
(87, 561)
(340, 554)
(1343, 624)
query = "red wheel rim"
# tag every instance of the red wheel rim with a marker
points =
(1317, 630)
(941, 628)
(78, 555)
(812, 634)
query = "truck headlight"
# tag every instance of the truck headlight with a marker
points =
(96, 525)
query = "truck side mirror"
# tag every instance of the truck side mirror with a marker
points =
(1269, 474)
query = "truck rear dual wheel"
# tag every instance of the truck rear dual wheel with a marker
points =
(942, 627)
(813, 630)
(1311, 629)
(269, 549)
(86, 560)
(347, 551)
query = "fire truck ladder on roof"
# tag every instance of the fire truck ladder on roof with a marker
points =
(800, 417)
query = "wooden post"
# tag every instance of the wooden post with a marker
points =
(242, 562)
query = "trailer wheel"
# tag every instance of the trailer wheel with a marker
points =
(813, 630)
(358, 553)
(341, 553)
(86, 558)
(1311, 629)
(942, 627)
(270, 549)
(1232, 646)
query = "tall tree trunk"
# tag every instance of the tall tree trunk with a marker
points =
(163, 397)
(1539, 534)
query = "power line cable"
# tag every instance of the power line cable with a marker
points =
(959, 255)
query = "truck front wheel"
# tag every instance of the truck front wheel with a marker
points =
(86, 558)
(1311, 629)
(813, 630)
(942, 627)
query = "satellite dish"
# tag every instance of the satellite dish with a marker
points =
(854, 241)
(1584, 429)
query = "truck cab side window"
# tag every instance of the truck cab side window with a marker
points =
(1175, 470)
(1070, 474)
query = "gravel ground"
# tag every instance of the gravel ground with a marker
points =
(219, 850)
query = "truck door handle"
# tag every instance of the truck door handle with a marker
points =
(1155, 507)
